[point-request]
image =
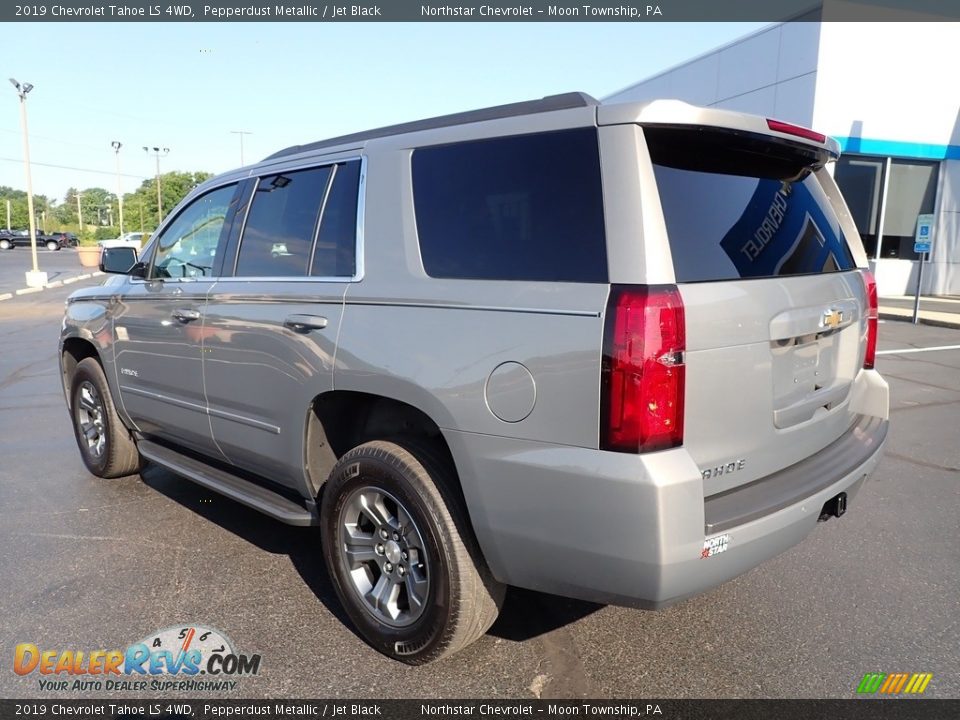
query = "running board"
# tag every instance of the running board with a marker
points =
(229, 485)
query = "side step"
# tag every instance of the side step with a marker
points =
(233, 487)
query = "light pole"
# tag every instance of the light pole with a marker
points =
(35, 278)
(241, 133)
(116, 145)
(158, 152)
(79, 212)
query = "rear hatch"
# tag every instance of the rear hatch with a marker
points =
(774, 304)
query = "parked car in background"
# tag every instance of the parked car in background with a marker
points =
(67, 239)
(11, 239)
(130, 239)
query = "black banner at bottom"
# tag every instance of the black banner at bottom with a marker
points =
(202, 709)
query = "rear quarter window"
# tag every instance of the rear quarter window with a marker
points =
(526, 207)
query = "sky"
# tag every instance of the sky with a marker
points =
(186, 86)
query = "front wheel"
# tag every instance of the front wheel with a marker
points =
(401, 553)
(105, 444)
(5, 245)
(53, 245)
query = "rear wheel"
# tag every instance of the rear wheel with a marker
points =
(401, 554)
(105, 444)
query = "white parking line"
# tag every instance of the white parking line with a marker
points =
(6, 296)
(918, 350)
(24, 291)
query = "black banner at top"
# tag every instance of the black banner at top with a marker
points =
(490, 11)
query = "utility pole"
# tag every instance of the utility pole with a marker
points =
(241, 133)
(158, 153)
(35, 278)
(8, 214)
(79, 212)
(116, 145)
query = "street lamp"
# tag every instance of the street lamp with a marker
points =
(79, 212)
(241, 133)
(109, 208)
(158, 152)
(35, 278)
(116, 145)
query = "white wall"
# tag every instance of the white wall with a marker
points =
(771, 72)
(944, 275)
(894, 86)
(900, 80)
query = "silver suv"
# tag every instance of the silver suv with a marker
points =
(621, 353)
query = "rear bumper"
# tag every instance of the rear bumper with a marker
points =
(631, 530)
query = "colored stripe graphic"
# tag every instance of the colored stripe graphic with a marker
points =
(894, 683)
(919, 682)
(871, 682)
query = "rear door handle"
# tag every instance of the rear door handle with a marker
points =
(305, 323)
(184, 315)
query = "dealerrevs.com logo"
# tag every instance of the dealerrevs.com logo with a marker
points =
(185, 658)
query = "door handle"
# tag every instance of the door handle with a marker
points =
(305, 323)
(185, 316)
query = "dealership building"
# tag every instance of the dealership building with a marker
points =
(889, 93)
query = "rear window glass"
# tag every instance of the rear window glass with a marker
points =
(526, 207)
(741, 206)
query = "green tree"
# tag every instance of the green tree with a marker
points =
(19, 213)
(174, 186)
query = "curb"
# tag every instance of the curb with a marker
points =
(49, 286)
(953, 325)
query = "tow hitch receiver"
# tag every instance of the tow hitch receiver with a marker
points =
(834, 507)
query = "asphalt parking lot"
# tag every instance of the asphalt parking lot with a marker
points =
(58, 264)
(92, 564)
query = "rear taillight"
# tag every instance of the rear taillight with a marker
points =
(643, 373)
(799, 131)
(870, 284)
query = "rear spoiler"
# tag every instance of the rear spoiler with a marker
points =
(676, 112)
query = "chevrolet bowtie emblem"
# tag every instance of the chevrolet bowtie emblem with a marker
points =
(832, 319)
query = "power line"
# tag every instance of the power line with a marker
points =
(68, 167)
(60, 141)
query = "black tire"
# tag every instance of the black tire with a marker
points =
(110, 452)
(53, 245)
(5, 245)
(463, 599)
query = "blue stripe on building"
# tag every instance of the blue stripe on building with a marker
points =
(897, 148)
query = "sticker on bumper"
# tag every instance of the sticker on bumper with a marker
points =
(715, 545)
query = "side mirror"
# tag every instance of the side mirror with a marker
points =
(120, 260)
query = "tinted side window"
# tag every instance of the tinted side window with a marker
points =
(335, 254)
(528, 207)
(187, 247)
(282, 223)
